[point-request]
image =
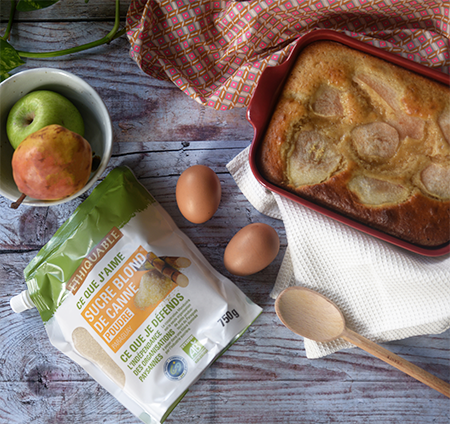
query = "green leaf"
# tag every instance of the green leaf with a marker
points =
(29, 5)
(3, 76)
(9, 59)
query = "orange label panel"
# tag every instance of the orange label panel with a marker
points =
(112, 312)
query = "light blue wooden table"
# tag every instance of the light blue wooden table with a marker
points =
(263, 378)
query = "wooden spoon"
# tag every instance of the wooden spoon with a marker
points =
(311, 315)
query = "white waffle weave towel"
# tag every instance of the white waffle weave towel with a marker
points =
(385, 292)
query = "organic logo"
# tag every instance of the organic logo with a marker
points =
(194, 349)
(175, 368)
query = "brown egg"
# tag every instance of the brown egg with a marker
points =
(251, 249)
(198, 193)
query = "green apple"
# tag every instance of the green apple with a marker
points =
(39, 109)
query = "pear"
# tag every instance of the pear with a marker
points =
(52, 163)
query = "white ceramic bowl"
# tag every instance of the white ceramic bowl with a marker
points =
(98, 127)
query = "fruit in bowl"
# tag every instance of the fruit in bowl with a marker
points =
(52, 163)
(51, 160)
(98, 129)
(38, 109)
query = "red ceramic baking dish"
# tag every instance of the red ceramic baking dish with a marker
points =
(265, 98)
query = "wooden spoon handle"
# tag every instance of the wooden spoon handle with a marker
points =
(397, 362)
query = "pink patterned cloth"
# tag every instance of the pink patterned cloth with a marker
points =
(215, 51)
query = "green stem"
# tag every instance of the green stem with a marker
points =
(10, 21)
(113, 34)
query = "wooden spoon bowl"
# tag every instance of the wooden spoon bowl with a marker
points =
(309, 314)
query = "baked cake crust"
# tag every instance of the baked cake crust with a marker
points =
(365, 138)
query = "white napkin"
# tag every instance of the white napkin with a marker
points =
(385, 292)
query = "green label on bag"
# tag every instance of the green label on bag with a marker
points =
(62, 263)
(194, 349)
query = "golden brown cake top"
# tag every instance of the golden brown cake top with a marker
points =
(386, 128)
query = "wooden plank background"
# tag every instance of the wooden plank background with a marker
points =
(263, 378)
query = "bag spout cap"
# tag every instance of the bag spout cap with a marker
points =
(21, 302)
